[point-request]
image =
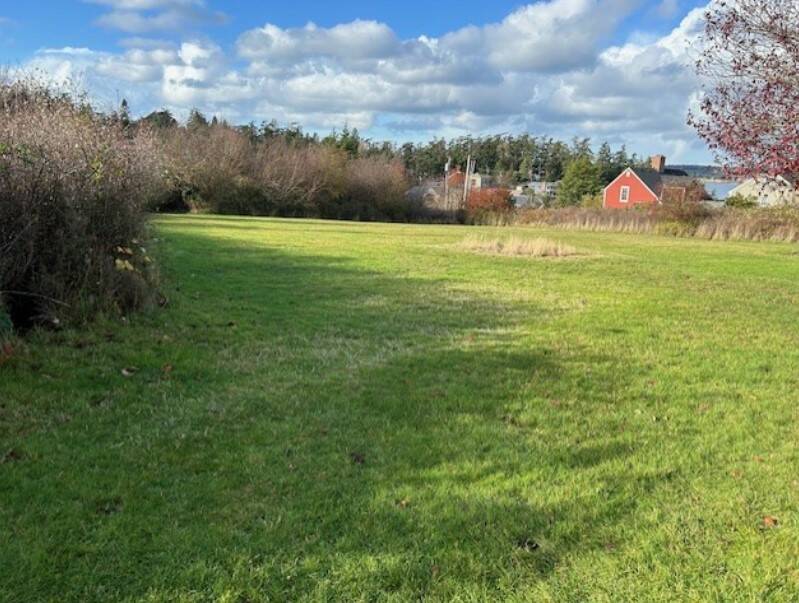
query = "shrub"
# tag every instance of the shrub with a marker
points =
(738, 201)
(375, 189)
(592, 201)
(6, 332)
(73, 187)
(685, 212)
(489, 205)
(221, 169)
(299, 179)
(6, 326)
(207, 167)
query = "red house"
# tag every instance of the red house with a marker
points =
(649, 186)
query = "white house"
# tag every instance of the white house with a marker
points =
(768, 192)
(544, 190)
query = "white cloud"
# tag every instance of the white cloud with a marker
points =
(140, 16)
(634, 89)
(137, 65)
(544, 36)
(545, 68)
(352, 41)
(172, 19)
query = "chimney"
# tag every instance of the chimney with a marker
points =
(658, 163)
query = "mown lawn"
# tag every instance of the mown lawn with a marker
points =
(356, 412)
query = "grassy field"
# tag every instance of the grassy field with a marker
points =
(363, 412)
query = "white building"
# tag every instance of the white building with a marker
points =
(768, 192)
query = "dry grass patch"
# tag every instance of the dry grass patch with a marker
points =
(515, 246)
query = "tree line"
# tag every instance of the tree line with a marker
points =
(509, 159)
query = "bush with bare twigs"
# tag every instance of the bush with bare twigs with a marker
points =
(374, 189)
(73, 185)
(220, 169)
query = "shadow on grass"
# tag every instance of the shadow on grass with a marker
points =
(333, 432)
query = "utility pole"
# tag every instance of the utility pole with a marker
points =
(466, 180)
(446, 183)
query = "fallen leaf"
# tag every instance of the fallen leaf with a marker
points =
(12, 456)
(403, 504)
(435, 570)
(357, 458)
(770, 522)
(527, 544)
(167, 368)
(511, 420)
(108, 506)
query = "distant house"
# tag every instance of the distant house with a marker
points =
(545, 190)
(769, 192)
(479, 181)
(436, 194)
(430, 193)
(522, 197)
(535, 194)
(651, 186)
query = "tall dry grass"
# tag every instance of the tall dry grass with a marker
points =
(73, 187)
(758, 224)
(517, 246)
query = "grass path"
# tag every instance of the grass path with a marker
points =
(357, 412)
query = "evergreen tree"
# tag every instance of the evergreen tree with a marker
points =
(608, 168)
(124, 113)
(581, 178)
(161, 119)
(196, 120)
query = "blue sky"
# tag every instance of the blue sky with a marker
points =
(609, 69)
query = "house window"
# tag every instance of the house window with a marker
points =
(624, 196)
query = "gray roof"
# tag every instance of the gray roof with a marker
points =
(669, 179)
(652, 179)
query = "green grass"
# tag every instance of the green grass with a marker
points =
(364, 412)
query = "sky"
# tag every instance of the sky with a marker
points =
(614, 70)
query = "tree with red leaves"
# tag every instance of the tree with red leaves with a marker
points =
(489, 201)
(750, 62)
